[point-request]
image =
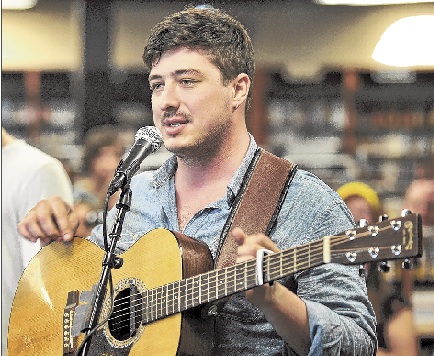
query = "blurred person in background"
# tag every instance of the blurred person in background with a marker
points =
(395, 325)
(28, 175)
(419, 198)
(102, 151)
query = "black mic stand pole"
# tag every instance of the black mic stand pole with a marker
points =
(110, 261)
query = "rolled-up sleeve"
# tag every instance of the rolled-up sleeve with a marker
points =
(341, 319)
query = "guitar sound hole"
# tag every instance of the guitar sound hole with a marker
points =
(127, 314)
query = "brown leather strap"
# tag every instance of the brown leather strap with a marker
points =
(260, 202)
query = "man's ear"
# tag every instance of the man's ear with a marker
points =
(241, 87)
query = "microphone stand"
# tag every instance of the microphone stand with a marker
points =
(110, 261)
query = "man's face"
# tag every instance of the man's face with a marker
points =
(106, 162)
(191, 106)
(420, 199)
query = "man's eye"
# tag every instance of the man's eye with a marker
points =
(156, 86)
(187, 81)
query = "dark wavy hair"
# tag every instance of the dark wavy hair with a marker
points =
(224, 40)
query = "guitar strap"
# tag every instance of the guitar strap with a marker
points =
(257, 205)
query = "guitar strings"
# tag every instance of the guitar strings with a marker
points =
(158, 307)
(161, 302)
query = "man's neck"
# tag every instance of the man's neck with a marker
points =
(220, 167)
(197, 186)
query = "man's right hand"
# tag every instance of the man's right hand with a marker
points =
(50, 220)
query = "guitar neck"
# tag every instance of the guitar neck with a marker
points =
(398, 238)
(216, 284)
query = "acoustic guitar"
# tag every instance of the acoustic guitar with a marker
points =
(165, 279)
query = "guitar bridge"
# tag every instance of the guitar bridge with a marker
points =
(68, 319)
(75, 318)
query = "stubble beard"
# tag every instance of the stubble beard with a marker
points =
(205, 148)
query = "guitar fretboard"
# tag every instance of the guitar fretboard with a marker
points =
(207, 287)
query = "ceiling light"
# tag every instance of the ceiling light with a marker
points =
(368, 2)
(407, 42)
(18, 4)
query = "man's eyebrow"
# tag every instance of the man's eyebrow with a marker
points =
(188, 71)
(176, 73)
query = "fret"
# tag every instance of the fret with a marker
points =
(200, 286)
(159, 302)
(228, 280)
(155, 303)
(202, 279)
(149, 305)
(178, 297)
(163, 309)
(237, 280)
(152, 301)
(182, 295)
(169, 293)
(231, 282)
(251, 273)
(221, 288)
(240, 280)
(164, 300)
(169, 302)
(186, 290)
(212, 285)
(190, 292)
(172, 298)
(145, 314)
(195, 288)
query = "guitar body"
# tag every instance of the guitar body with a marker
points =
(37, 325)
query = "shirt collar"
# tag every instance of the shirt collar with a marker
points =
(168, 169)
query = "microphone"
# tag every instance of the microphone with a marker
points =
(147, 140)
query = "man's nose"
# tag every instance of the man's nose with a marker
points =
(168, 98)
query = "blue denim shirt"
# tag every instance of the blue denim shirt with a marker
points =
(341, 318)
